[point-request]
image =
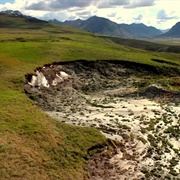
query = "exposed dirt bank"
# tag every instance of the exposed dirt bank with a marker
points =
(127, 104)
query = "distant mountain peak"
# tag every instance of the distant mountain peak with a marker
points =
(18, 13)
(173, 32)
(138, 24)
(15, 19)
(99, 18)
(99, 25)
(12, 12)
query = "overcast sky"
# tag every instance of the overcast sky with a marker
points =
(162, 14)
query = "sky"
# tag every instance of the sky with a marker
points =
(162, 14)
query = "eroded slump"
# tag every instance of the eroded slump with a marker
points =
(103, 95)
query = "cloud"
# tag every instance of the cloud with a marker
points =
(140, 3)
(65, 4)
(55, 5)
(139, 17)
(84, 14)
(61, 16)
(111, 3)
(112, 14)
(37, 6)
(124, 3)
(162, 16)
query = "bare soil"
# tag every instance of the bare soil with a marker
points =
(140, 119)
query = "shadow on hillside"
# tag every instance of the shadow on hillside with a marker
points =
(140, 44)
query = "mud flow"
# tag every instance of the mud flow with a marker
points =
(140, 119)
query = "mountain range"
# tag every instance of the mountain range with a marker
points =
(100, 25)
(104, 26)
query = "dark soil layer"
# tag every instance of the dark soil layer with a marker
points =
(92, 76)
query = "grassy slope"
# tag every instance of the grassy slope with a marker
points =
(32, 145)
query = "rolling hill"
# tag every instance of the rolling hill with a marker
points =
(14, 19)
